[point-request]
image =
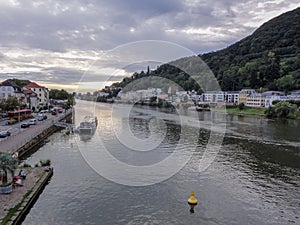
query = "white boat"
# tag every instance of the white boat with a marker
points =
(88, 126)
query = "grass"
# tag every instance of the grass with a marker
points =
(250, 111)
(245, 111)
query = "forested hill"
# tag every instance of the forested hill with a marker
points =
(269, 59)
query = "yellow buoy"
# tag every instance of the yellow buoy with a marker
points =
(192, 200)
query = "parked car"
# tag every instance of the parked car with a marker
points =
(4, 134)
(32, 121)
(59, 110)
(25, 125)
(54, 113)
(4, 114)
(41, 117)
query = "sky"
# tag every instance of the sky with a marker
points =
(71, 44)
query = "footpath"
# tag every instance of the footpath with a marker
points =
(15, 206)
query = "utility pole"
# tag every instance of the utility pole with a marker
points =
(18, 107)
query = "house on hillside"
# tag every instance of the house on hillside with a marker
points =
(295, 95)
(256, 100)
(243, 94)
(231, 97)
(271, 96)
(213, 96)
(8, 91)
(41, 92)
(31, 99)
(9, 88)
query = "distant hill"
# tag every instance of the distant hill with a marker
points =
(269, 59)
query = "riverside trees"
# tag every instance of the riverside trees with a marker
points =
(281, 110)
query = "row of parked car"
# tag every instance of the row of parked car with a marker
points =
(40, 117)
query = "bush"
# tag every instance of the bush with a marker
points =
(10, 122)
(281, 110)
(26, 165)
(241, 106)
(45, 162)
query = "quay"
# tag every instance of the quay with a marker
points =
(22, 142)
(15, 206)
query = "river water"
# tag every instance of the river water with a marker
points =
(254, 178)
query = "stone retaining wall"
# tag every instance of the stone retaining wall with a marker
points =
(29, 201)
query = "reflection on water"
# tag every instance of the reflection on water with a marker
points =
(254, 179)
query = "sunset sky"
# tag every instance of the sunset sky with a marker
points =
(57, 43)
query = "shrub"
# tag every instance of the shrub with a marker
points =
(26, 165)
(241, 106)
(45, 162)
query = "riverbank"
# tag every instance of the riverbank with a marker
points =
(258, 112)
(15, 206)
(246, 111)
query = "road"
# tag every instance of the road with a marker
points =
(19, 136)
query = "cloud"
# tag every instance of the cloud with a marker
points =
(37, 36)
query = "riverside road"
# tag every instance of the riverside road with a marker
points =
(20, 136)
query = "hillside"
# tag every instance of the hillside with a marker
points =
(269, 59)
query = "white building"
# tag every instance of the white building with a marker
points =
(213, 96)
(255, 101)
(140, 95)
(42, 93)
(7, 90)
(31, 99)
(271, 96)
(231, 97)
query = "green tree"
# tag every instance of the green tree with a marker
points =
(10, 103)
(241, 106)
(59, 94)
(270, 112)
(286, 83)
(7, 164)
(281, 110)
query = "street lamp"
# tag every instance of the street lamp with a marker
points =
(18, 107)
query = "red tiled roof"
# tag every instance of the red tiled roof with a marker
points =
(33, 85)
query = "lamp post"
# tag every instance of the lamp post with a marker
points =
(18, 107)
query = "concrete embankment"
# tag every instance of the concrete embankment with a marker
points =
(15, 206)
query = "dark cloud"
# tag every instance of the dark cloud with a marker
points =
(83, 24)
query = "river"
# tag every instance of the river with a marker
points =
(254, 178)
